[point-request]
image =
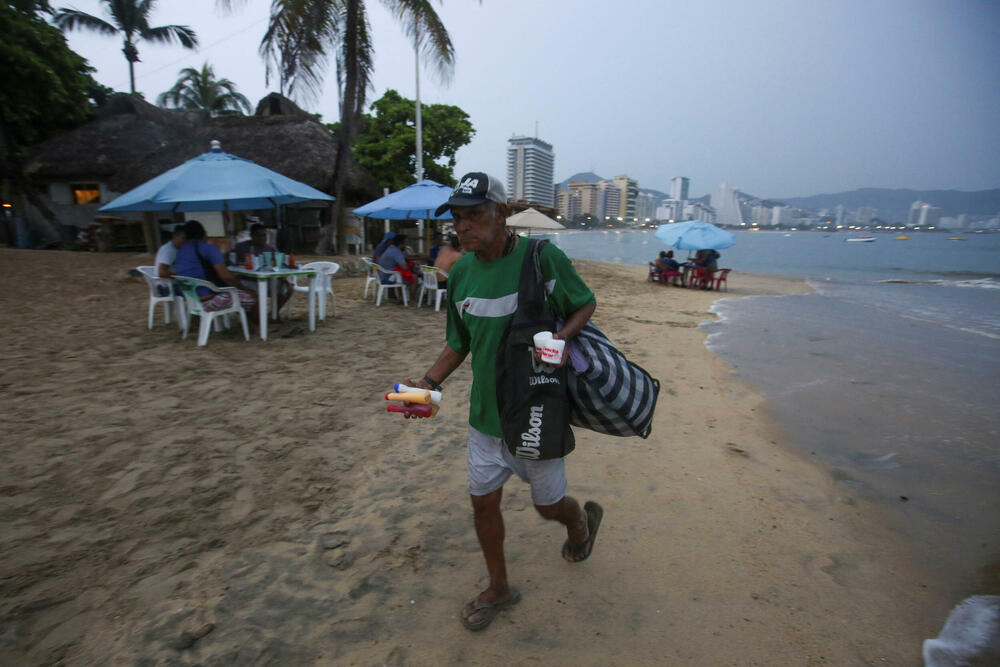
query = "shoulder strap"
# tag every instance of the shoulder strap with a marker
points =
(531, 297)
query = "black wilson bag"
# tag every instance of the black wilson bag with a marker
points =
(609, 393)
(531, 397)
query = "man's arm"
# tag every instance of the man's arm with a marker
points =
(576, 322)
(163, 270)
(445, 365)
(226, 276)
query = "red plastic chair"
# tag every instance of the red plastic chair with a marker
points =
(698, 277)
(722, 279)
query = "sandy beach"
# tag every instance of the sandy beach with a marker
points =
(253, 503)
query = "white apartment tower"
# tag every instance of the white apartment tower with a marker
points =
(679, 187)
(725, 201)
(530, 168)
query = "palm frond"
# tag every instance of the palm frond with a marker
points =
(423, 25)
(74, 19)
(296, 43)
(166, 34)
(199, 89)
(229, 5)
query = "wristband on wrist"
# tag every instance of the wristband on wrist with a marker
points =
(434, 384)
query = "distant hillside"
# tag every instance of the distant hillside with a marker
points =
(894, 205)
(588, 176)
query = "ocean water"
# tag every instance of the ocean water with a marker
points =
(888, 373)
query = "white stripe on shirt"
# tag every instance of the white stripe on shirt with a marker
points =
(501, 307)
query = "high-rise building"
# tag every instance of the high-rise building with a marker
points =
(608, 200)
(585, 195)
(679, 187)
(530, 166)
(761, 215)
(864, 214)
(671, 210)
(914, 218)
(725, 201)
(645, 206)
(629, 188)
(930, 216)
(781, 215)
(695, 210)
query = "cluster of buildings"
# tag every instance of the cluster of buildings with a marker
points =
(530, 179)
(621, 202)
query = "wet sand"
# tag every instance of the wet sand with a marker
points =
(152, 491)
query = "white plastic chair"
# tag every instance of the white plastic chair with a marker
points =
(431, 286)
(371, 276)
(397, 283)
(171, 301)
(189, 287)
(324, 286)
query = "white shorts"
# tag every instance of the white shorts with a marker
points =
(490, 466)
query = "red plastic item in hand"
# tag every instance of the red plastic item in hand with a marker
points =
(414, 410)
(291, 260)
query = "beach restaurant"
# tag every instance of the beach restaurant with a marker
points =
(132, 141)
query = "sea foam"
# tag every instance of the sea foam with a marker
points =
(971, 635)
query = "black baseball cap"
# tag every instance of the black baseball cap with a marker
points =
(473, 189)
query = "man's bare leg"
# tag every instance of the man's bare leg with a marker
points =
(569, 513)
(490, 531)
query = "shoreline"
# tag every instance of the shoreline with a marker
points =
(152, 487)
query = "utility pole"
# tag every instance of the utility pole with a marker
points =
(420, 126)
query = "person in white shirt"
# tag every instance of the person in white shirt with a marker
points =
(167, 253)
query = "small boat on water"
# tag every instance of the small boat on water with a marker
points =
(860, 239)
(902, 238)
(955, 238)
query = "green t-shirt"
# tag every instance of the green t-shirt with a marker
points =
(482, 297)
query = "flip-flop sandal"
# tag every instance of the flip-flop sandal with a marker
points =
(491, 609)
(594, 515)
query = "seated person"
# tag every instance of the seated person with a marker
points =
(705, 264)
(199, 259)
(257, 246)
(666, 264)
(164, 261)
(167, 253)
(432, 254)
(382, 245)
(393, 259)
(708, 260)
(446, 258)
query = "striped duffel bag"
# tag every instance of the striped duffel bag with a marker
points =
(609, 393)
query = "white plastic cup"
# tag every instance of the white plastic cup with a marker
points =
(540, 339)
(552, 351)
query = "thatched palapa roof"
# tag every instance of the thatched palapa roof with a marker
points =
(132, 141)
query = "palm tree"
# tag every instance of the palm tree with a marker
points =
(199, 89)
(302, 35)
(130, 18)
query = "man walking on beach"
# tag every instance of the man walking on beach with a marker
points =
(482, 297)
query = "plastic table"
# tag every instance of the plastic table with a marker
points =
(269, 277)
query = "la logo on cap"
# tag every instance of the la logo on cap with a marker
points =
(468, 185)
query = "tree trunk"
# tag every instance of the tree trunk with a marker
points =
(353, 100)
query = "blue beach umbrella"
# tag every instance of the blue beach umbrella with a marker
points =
(216, 181)
(413, 202)
(695, 235)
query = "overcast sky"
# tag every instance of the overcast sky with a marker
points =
(780, 98)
